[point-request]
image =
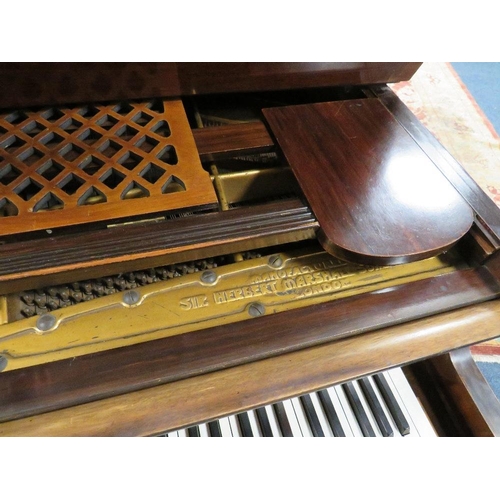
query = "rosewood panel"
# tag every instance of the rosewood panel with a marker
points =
(39, 83)
(481, 203)
(216, 143)
(378, 198)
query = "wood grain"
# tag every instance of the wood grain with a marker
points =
(202, 398)
(78, 380)
(96, 253)
(216, 143)
(42, 83)
(378, 198)
(473, 397)
(480, 202)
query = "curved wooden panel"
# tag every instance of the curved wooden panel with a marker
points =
(378, 198)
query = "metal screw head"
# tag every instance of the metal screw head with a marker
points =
(256, 309)
(275, 261)
(3, 363)
(46, 322)
(208, 277)
(131, 297)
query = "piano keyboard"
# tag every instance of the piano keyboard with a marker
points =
(382, 405)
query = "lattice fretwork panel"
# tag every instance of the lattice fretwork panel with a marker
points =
(66, 166)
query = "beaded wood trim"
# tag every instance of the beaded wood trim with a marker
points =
(97, 163)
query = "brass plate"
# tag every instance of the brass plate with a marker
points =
(96, 163)
(228, 294)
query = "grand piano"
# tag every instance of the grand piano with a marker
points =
(237, 249)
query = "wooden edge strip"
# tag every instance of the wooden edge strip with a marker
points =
(478, 399)
(202, 398)
(51, 386)
(215, 143)
(22, 262)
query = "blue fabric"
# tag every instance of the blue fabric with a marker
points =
(491, 372)
(483, 82)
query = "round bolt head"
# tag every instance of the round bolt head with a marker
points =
(208, 277)
(131, 297)
(256, 309)
(275, 261)
(46, 322)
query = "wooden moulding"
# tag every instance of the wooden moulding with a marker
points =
(378, 198)
(93, 254)
(166, 407)
(79, 380)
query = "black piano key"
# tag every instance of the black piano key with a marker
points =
(392, 404)
(214, 429)
(283, 422)
(244, 423)
(357, 408)
(312, 416)
(193, 432)
(376, 408)
(265, 426)
(331, 414)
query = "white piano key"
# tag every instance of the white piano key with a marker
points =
(301, 418)
(349, 414)
(254, 423)
(409, 404)
(325, 426)
(292, 418)
(272, 421)
(173, 434)
(182, 433)
(340, 412)
(204, 430)
(233, 424)
(225, 427)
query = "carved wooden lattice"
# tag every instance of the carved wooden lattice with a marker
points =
(65, 166)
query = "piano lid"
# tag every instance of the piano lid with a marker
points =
(39, 83)
(378, 197)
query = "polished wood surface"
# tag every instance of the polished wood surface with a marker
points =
(479, 201)
(455, 395)
(41, 388)
(47, 83)
(215, 143)
(99, 252)
(377, 196)
(202, 398)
